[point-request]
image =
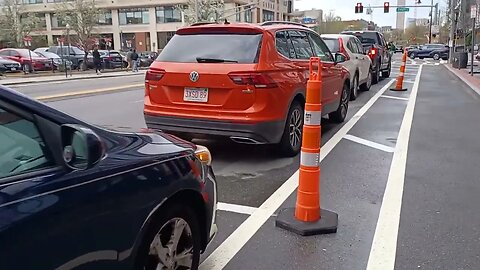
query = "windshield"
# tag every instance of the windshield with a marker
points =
(332, 44)
(367, 37)
(231, 47)
(24, 53)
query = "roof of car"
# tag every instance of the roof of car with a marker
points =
(336, 36)
(274, 25)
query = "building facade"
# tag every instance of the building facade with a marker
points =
(145, 24)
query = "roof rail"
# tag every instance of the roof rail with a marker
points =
(282, 22)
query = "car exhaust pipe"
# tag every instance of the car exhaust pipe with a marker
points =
(244, 140)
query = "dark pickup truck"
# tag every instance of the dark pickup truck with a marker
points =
(435, 51)
(376, 47)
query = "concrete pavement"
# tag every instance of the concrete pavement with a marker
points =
(432, 204)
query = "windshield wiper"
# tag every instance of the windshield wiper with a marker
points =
(214, 60)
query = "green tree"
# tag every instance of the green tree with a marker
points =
(202, 10)
(16, 23)
(82, 17)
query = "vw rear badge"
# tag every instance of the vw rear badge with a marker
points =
(194, 76)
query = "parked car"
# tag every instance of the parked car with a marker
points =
(7, 65)
(242, 81)
(73, 54)
(91, 198)
(111, 59)
(147, 58)
(435, 51)
(376, 47)
(399, 49)
(357, 63)
(28, 60)
(57, 61)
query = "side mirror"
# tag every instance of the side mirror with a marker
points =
(82, 148)
(340, 58)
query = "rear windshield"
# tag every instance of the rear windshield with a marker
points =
(332, 44)
(367, 37)
(228, 47)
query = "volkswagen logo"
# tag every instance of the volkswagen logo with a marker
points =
(194, 76)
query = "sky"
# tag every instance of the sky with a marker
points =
(346, 9)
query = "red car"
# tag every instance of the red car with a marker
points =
(29, 60)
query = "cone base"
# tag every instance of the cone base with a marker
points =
(395, 89)
(328, 223)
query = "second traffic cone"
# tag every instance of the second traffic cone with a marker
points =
(399, 84)
(307, 218)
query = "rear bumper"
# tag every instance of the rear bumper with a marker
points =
(262, 133)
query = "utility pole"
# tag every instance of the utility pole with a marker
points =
(453, 26)
(431, 22)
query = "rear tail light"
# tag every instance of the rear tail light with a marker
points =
(259, 80)
(154, 75)
(372, 53)
(342, 49)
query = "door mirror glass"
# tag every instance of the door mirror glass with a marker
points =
(82, 148)
(340, 58)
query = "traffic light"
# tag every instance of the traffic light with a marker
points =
(386, 7)
(359, 8)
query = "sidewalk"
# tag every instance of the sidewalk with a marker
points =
(55, 77)
(465, 76)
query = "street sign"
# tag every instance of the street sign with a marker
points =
(473, 11)
(403, 9)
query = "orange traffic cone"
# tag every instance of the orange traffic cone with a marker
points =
(399, 84)
(307, 218)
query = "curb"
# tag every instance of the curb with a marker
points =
(68, 79)
(474, 88)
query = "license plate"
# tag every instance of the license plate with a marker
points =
(13, 69)
(195, 94)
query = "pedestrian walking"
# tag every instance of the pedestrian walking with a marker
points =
(129, 59)
(135, 59)
(97, 61)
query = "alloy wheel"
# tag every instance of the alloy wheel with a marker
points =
(344, 102)
(295, 128)
(172, 247)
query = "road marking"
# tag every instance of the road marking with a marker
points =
(138, 101)
(384, 246)
(392, 97)
(87, 92)
(236, 208)
(368, 143)
(234, 243)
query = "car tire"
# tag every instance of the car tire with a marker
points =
(386, 74)
(354, 91)
(366, 86)
(170, 217)
(436, 56)
(27, 68)
(411, 55)
(291, 142)
(376, 74)
(340, 114)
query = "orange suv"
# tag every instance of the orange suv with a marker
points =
(243, 81)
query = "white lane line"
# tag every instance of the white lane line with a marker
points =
(234, 243)
(384, 246)
(138, 101)
(236, 208)
(408, 82)
(392, 97)
(368, 143)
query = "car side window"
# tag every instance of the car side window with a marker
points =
(352, 46)
(281, 42)
(23, 150)
(301, 44)
(359, 45)
(320, 48)
(5, 53)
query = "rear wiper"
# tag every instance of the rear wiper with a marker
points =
(214, 60)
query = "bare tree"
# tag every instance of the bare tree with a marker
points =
(333, 24)
(202, 10)
(16, 23)
(82, 17)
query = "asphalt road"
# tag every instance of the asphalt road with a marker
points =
(394, 212)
